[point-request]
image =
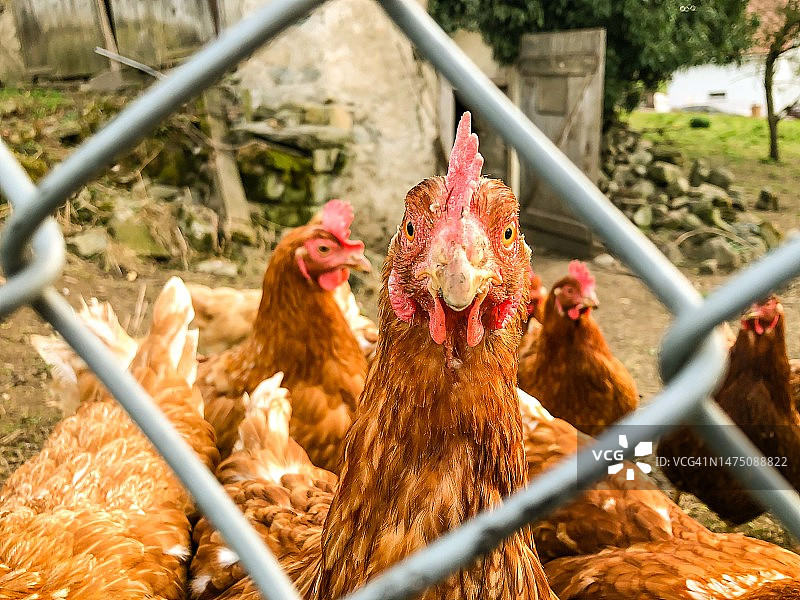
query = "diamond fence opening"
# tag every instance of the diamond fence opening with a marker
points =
(692, 359)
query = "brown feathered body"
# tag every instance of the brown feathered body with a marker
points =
(614, 513)
(283, 495)
(97, 513)
(438, 438)
(455, 446)
(570, 369)
(625, 539)
(225, 316)
(756, 394)
(299, 330)
(716, 566)
(788, 589)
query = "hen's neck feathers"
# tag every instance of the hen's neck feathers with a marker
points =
(430, 448)
(764, 358)
(424, 404)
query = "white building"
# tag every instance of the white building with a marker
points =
(735, 89)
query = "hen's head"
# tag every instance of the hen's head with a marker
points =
(458, 258)
(323, 250)
(763, 316)
(574, 295)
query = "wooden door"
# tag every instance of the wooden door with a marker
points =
(561, 92)
(159, 33)
(58, 37)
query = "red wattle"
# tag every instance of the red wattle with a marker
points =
(332, 279)
(503, 312)
(437, 321)
(474, 324)
(574, 313)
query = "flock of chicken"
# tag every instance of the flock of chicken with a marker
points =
(348, 445)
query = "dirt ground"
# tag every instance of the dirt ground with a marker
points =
(631, 318)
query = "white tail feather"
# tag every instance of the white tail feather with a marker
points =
(273, 400)
(172, 313)
(102, 321)
(187, 367)
(64, 365)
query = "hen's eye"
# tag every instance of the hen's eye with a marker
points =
(323, 249)
(409, 230)
(509, 235)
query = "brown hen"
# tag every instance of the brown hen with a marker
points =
(300, 331)
(97, 513)
(757, 396)
(571, 369)
(280, 491)
(438, 436)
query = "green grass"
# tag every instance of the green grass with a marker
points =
(37, 101)
(732, 138)
(742, 145)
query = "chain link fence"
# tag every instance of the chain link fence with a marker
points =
(692, 359)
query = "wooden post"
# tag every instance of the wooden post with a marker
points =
(108, 34)
(236, 219)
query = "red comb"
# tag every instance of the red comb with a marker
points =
(337, 216)
(464, 169)
(580, 272)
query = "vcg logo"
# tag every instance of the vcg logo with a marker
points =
(641, 449)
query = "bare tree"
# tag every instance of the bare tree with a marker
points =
(783, 39)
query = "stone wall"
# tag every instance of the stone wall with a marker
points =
(693, 213)
(349, 54)
(11, 65)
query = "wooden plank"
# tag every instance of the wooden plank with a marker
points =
(58, 37)
(159, 33)
(110, 42)
(12, 67)
(231, 12)
(236, 209)
(563, 65)
(561, 76)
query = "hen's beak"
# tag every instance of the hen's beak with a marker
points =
(358, 262)
(591, 301)
(754, 312)
(459, 280)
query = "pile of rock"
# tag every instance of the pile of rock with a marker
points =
(289, 158)
(693, 212)
(161, 202)
(151, 222)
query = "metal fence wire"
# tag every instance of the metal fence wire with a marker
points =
(692, 359)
